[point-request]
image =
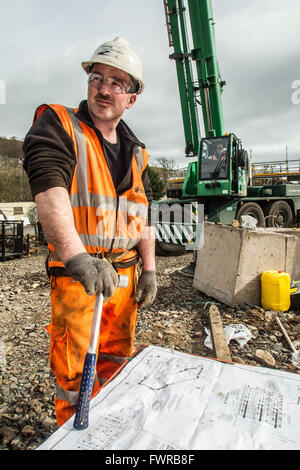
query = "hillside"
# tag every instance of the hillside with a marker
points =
(11, 148)
(14, 185)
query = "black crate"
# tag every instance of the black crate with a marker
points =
(11, 239)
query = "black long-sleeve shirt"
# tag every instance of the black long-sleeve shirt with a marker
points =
(50, 156)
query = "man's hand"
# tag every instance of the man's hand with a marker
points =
(96, 275)
(146, 289)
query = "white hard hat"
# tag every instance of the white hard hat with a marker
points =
(118, 53)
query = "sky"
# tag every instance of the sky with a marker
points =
(42, 45)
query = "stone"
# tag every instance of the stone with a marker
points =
(163, 314)
(7, 434)
(296, 330)
(278, 347)
(28, 431)
(237, 359)
(49, 422)
(16, 443)
(265, 358)
(256, 313)
(269, 315)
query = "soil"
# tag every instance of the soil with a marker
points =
(176, 320)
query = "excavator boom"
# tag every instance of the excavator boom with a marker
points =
(200, 59)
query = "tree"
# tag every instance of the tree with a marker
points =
(157, 184)
(14, 186)
(167, 164)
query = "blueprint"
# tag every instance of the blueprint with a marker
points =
(168, 400)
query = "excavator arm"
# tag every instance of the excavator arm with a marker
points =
(200, 59)
(178, 40)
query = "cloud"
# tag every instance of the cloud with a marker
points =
(43, 44)
(258, 52)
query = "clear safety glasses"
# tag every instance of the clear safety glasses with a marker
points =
(97, 80)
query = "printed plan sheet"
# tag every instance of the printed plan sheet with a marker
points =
(168, 400)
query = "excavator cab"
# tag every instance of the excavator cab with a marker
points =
(214, 158)
(222, 169)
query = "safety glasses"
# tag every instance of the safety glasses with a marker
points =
(115, 85)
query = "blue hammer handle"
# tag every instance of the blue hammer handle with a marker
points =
(81, 420)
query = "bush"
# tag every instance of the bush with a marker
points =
(157, 183)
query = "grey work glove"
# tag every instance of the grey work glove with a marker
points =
(146, 289)
(95, 274)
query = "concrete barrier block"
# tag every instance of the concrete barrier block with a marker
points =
(230, 263)
(295, 232)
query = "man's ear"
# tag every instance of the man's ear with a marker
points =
(131, 101)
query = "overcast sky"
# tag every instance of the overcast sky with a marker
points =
(43, 44)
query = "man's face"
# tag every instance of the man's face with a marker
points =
(103, 104)
(220, 149)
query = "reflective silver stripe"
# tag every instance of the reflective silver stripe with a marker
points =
(139, 156)
(98, 241)
(124, 243)
(109, 203)
(82, 168)
(70, 396)
(110, 357)
(95, 241)
(93, 200)
(133, 208)
(67, 395)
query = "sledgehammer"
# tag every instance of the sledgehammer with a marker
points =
(81, 420)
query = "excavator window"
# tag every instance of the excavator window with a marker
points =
(234, 183)
(214, 158)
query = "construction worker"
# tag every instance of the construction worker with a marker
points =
(89, 179)
(219, 152)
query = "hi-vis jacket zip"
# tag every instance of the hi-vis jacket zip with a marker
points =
(103, 220)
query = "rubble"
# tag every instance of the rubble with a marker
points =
(176, 320)
(265, 358)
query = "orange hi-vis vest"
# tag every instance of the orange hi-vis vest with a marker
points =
(105, 221)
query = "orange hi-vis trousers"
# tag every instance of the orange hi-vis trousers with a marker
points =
(71, 318)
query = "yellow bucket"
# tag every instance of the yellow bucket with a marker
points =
(275, 290)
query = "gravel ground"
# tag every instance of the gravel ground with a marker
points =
(177, 320)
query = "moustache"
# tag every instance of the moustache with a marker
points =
(104, 98)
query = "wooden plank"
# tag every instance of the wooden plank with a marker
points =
(218, 335)
(286, 335)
